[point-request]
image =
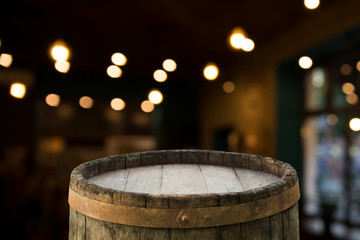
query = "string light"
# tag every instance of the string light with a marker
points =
(355, 124)
(117, 104)
(305, 62)
(147, 106)
(155, 97)
(62, 66)
(160, 75)
(113, 71)
(118, 59)
(211, 71)
(86, 102)
(52, 100)
(60, 51)
(169, 65)
(6, 59)
(311, 4)
(18, 90)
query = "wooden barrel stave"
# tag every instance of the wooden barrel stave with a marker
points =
(282, 225)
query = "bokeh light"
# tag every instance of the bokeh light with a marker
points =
(169, 65)
(147, 106)
(160, 75)
(236, 40)
(62, 66)
(6, 59)
(352, 99)
(18, 90)
(311, 4)
(52, 100)
(117, 104)
(118, 59)
(113, 71)
(348, 88)
(155, 97)
(345, 69)
(228, 87)
(86, 102)
(60, 51)
(358, 66)
(305, 62)
(248, 45)
(355, 124)
(332, 119)
(211, 71)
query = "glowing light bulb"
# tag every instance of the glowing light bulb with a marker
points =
(147, 106)
(355, 124)
(248, 45)
(160, 75)
(18, 90)
(118, 59)
(52, 100)
(6, 60)
(211, 71)
(117, 104)
(311, 4)
(305, 62)
(59, 51)
(155, 97)
(114, 71)
(237, 40)
(86, 102)
(62, 66)
(169, 65)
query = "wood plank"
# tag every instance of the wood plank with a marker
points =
(230, 232)
(290, 220)
(194, 233)
(144, 179)
(276, 227)
(251, 179)
(97, 229)
(182, 179)
(115, 179)
(220, 179)
(256, 230)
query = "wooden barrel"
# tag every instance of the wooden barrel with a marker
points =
(184, 194)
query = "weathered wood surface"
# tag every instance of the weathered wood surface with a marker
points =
(122, 174)
(183, 179)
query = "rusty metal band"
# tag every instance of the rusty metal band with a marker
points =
(184, 218)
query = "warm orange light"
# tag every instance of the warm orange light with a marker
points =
(52, 100)
(311, 4)
(345, 69)
(155, 97)
(18, 90)
(114, 71)
(6, 60)
(305, 62)
(62, 66)
(86, 102)
(248, 45)
(169, 65)
(352, 98)
(358, 66)
(118, 59)
(228, 87)
(348, 88)
(237, 38)
(160, 75)
(117, 104)
(60, 51)
(147, 106)
(211, 71)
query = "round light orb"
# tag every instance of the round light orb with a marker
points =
(117, 104)
(52, 100)
(62, 66)
(348, 88)
(118, 59)
(332, 119)
(113, 71)
(345, 69)
(147, 106)
(352, 99)
(169, 65)
(18, 90)
(305, 62)
(311, 4)
(228, 87)
(6, 59)
(248, 45)
(59, 51)
(237, 40)
(155, 97)
(355, 124)
(211, 71)
(86, 102)
(160, 75)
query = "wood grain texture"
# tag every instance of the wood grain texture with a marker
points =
(149, 180)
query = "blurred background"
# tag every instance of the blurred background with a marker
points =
(275, 78)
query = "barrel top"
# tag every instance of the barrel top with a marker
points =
(183, 179)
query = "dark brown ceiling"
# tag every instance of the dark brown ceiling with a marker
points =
(147, 32)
